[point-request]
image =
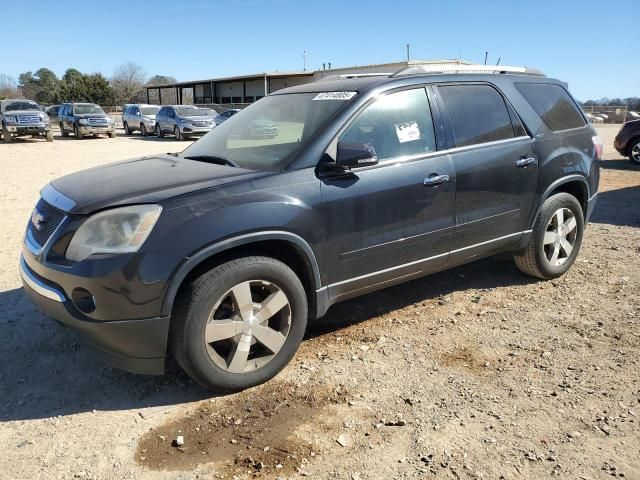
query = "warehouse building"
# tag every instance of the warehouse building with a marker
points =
(243, 89)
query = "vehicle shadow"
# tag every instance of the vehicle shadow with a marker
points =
(619, 164)
(618, 207)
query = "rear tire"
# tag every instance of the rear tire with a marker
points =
(143, 130)
(159, 131)
(552, 250)
(77, 132)
(634, 151)
(240, 307)
(111, 134)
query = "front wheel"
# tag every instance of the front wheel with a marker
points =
(143, 130)
(555, 240)
(634, 151)
(6, 135)
(76, 130)
(127, 130)
(49, 136)
(178, 134)
(159, 131)
(239, 324)
(111, 134)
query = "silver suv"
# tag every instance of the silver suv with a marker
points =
(20, 117)
(184, 121)
(139, 117)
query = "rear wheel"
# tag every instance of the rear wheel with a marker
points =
(555, 240)
(634, 151)
(143, 130)
(239, 324)
(77, 132)
(111, 134)
(159, 131)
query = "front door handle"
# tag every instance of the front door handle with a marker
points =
(434, 180)
(523, 162)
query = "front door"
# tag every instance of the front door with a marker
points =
(392, 220)
(496, 168)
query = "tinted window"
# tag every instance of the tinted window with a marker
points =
(554, 105)
(396, 125)
(477, 113)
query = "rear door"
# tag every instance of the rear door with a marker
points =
(496, 168)
(392, 220)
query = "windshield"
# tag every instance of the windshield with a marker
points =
(86, 109)
(149, 110)
(266, 134)
(15, 106)
(192, 111)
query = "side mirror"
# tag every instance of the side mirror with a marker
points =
(353, 155)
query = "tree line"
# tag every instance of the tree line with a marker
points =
(126, 85)
(632, 103)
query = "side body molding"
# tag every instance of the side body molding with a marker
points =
(191, 262)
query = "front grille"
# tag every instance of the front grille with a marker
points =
(98, 122)
(199, 123)
(28, 119)
(51, 220)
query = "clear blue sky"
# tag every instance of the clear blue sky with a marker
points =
(593, 45)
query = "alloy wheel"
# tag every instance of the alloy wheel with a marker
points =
(248, 326)
(635, 152)
(560, 236)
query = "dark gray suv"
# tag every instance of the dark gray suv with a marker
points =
(222, 253)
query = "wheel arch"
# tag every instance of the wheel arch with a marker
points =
(575, 185)
(287, 247)
(630, 143)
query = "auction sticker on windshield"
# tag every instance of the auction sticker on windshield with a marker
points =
(335, 96)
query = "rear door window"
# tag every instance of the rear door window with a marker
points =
(396, 125)
(477, 113)
(554, 105)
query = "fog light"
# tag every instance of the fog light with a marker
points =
(83, 300)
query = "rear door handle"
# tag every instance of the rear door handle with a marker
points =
(523, 162)
(434, 180)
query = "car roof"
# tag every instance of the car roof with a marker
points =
(370, 82)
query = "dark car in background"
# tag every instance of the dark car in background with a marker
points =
(627, 141)
(84, 119)
(20, 117)
(226, 115)
(221, 254)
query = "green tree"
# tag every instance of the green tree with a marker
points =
(40, 86)
(160, 80)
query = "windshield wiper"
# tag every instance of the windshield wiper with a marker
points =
(212, 159)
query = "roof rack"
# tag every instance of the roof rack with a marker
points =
(474, 68)
(345, 76)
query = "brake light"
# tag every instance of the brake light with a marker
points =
(597, 143)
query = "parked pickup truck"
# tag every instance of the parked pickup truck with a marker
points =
(21, 118)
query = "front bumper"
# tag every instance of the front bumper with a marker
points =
(138, 345)
(192, 130)
(90, 129)
(28, 129)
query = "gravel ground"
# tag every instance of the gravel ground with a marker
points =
(478, 372)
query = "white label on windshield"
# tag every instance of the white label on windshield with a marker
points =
(407, 132)
(335, 96)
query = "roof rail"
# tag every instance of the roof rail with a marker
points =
(344, 76)
(474, 68)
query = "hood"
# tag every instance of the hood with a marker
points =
(195, 118)
(90, 115)
(145, 180)
(23, 112)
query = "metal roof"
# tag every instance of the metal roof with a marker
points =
(235, 78)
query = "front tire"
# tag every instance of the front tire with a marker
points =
(159, 131)
(77, 132)
(63, 132)
(6, 135)
(555, 240)
(177, 133)
(143, 130)
(49, 136)
(239, 324)
(127, 130)
(634, 151)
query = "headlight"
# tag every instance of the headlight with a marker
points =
(83, 121)
(10, 119)
(119, 230)
(184, 122)
(44, 117)
(109, 120)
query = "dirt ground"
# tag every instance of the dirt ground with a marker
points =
(478, 372)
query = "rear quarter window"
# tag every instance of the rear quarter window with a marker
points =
(553, 104)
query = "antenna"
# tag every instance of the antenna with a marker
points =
(304, 61)
(408, 52)
(486, 54)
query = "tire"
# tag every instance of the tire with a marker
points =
(634, 151)
(538, 257)
(111, 134)
(143, 130)
(6, 135)
(49, 136)
(177, 133)
(127, 130)
(63, 132)
(159, 131)
(214, 365)
(77, 132)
